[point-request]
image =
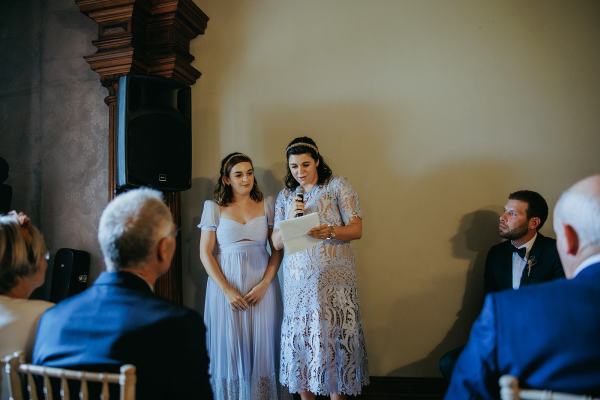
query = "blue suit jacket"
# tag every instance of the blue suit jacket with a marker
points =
(547, 335)
(119, 320)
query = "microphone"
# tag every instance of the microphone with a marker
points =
(299, 197)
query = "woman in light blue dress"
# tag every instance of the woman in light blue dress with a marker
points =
(322, 345)
(242, 312)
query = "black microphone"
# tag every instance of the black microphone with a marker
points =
(299, 197)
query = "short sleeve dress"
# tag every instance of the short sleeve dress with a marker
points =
(243, 345)
(322, 343)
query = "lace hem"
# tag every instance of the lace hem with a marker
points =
(324, 353)
(321, 389)
(263, 388)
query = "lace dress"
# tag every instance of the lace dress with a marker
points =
(243, 345)
(322, 344)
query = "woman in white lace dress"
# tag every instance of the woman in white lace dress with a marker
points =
(322, 344)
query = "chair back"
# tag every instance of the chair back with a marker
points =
(15, 368)
(509, 390)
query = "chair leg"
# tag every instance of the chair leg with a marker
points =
(12, 372)
(509, 388)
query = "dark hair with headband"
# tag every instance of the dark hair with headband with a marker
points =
(223, 194)
(305, 145)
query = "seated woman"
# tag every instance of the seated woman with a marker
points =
(22, 269)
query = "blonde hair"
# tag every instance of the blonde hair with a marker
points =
(21, 248)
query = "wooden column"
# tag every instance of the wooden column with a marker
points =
(111, 101)
(148, 37)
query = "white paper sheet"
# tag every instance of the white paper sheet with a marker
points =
(293, 232)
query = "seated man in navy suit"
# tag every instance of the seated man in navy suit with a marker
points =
(525, 258)
(119, 320)
(546, 334)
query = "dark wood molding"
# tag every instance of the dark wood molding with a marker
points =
(147, 37)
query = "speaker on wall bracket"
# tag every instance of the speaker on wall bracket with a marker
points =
(154, 134)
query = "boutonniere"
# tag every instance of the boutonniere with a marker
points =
(531, 261)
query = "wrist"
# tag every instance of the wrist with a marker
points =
(331, 234)
(264, 282)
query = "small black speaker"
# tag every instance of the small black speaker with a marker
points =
(154, 133)
(69, 273)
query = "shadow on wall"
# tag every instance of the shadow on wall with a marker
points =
(269, 184)
(194, 275)
(424, 311)
(477, 232)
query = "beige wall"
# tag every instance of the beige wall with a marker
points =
(435, 111)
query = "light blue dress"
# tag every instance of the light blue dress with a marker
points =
(322, 344)
(243, 345)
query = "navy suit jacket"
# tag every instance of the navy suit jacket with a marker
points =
(498, 265)
(547, 335)
(118, 320)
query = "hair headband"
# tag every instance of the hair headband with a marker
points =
(312, 146)
(234, 155)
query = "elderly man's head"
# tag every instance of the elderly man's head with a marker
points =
(136, 229)
(577, 223)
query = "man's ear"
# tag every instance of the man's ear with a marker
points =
(571, 240)
(534, 223)
(162, 249)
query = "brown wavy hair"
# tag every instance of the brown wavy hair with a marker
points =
(223, 194)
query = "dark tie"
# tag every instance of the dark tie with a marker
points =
(520, 251)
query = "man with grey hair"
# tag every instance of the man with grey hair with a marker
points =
(546, 335)
(119, 320)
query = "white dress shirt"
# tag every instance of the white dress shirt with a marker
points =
(519, 264)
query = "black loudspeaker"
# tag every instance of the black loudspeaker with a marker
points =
(69, 273)
(154, 135)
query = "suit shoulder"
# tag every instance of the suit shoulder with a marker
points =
(547, 248)
(189, 313)
(175, 311)
(546, 241)
(531, 293)
(68, 302)
(499, 247)
(186, 322)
